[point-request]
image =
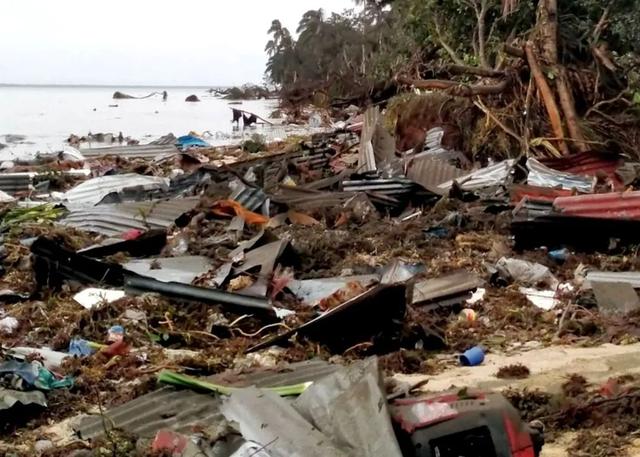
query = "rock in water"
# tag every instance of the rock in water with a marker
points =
(192, 98)
(119, 96)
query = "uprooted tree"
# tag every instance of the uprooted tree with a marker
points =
(543, 76)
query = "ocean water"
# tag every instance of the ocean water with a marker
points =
(47, 115)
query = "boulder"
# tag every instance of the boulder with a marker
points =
(192, 98)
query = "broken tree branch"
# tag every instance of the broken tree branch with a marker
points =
(454, 87)
(495, 119)
(547, 97)
(469, 70)
(514, 51)
(597, 106)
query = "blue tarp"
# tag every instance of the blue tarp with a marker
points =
(190, 141)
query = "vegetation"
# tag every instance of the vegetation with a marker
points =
(553, 77)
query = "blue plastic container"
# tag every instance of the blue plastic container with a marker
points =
(472, 357)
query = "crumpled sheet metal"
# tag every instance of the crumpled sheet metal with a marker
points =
(542, 176)
(350, 407)
(10, 398)
(494, 175)
(266, 418)
(91, 192)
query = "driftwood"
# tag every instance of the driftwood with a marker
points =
(122, 96)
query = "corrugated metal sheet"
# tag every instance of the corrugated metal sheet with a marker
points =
(251, 198)
(147, 151)
(617, 205)
(587, 164)
(628, 277)
(536, 194)
(178, 410)
(13, 183)
(295, 373)
(542, 176)
(113, 220)
(430, 172)
(445, 286)
(91, 192)
(494, 175)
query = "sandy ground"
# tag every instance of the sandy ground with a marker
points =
(549, 368)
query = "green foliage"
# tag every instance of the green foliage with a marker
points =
(356, 50)
(255, 144)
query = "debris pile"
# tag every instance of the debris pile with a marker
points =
(176, 292)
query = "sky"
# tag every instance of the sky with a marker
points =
(142, 42)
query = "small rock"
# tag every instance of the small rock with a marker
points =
(192, 98)
(43, 445)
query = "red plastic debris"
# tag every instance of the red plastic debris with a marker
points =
(169, 441)
(132, 234)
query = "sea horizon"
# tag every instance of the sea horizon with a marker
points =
(130, 86)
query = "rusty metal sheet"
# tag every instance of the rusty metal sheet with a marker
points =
(536, 193)
(616, 205)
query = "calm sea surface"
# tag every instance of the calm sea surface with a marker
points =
(47, 115)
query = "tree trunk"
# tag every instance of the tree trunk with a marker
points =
(547, 97)
(482, 16)
(568, 107)
(548, 29)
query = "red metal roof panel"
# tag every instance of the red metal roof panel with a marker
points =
(617, 205)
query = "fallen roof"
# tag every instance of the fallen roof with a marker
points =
(618, 205)
(115, 219)
(133, 151)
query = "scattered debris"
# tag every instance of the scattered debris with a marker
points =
(517, 371)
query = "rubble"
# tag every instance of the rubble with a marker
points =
(323, 248)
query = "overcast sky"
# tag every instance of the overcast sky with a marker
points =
(142, 42)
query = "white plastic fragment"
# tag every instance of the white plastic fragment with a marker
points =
(543, 299)
(93, 297)
(477, 296)
(8, 325)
